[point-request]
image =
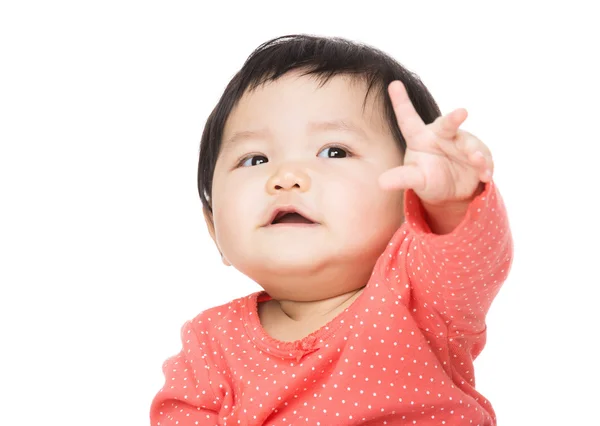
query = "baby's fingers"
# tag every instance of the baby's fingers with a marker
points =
(484, 165)
(403, 177)
(478, 155)
(446, 126)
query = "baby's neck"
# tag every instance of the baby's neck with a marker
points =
(288, 320)
(308, 311)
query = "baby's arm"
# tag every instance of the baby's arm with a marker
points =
(454, 278)
(459, 274)
(455, 248)
(462, 245)
(187, 397)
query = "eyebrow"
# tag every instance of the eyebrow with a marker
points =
(313, 127)
(345, 126)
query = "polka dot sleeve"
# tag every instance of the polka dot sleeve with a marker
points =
(186, 397)
(460, 273)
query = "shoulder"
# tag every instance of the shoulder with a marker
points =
(224, 316)
(208, 333)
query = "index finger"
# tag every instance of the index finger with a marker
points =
(409, 121)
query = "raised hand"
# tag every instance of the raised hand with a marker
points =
(442, 163)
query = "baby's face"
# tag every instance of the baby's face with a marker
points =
(291, 145)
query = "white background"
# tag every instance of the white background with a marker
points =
(104, 252)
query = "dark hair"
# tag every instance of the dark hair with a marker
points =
(324, 57)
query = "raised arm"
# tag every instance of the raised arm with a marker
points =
(461, 271)
(458, 246)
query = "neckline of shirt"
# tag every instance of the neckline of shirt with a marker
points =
(291, 349)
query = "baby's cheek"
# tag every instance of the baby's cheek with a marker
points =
(377, 212)
(355, 204)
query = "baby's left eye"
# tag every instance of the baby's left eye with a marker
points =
(333, 152)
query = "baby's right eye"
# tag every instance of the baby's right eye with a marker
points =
(254, 160)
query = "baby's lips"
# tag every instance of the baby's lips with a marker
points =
(279, 211)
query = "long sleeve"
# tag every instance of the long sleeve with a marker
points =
(460, 273)
(186, 397)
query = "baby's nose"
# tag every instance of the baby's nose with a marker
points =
(289, 178)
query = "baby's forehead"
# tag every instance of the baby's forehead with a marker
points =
(296, 97)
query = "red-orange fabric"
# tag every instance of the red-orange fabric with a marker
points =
(401, 354)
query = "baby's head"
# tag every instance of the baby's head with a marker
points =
(290, 159)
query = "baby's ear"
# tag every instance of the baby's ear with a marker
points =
(211, 230)
(209, 223)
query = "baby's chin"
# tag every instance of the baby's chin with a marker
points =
(306, 279)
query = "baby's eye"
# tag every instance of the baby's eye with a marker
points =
(333, 152)
(254, 160)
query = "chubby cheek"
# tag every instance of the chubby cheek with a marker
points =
(237, 209)
(371, 213)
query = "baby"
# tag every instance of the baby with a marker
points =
(329, 176)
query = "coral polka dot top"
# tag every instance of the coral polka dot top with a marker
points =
(401, 354)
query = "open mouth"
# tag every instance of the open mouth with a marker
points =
(291, 217)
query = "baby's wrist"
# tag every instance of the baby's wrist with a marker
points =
(443, 217)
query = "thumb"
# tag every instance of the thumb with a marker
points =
(403, 177)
